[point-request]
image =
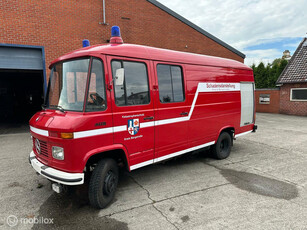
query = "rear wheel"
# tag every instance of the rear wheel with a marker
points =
(103, 183)
(222, 148)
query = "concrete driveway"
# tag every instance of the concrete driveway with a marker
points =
(262, 185)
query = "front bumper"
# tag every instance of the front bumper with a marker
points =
(54, 174)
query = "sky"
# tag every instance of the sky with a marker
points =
(261, 29)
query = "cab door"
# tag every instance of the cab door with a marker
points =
(132, 105)
(171, 110)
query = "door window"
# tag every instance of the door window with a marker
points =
(135, 89)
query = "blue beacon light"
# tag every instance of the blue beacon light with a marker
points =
(115, 31)
(115, 36)
(85, 43)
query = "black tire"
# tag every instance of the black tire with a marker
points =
(103, 183)
(222, 148)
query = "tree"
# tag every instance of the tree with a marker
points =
(260, 76)
(266, 76)
(281, 66)
(272, 76)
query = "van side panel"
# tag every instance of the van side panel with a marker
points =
(215, 109)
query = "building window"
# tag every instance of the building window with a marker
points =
(298, 94)
(264, 99)
(135, 89)
(171, 88)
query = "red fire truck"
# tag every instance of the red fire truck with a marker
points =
(132, 105)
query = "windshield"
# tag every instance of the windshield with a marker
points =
(67, 85)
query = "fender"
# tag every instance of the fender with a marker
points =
(105, 149)
(220, 131)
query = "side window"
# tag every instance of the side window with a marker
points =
(170, 83)
(298, 94)
(135, 89)
(96, 99)
(55, 86)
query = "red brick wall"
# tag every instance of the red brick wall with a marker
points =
(273, 107)
(61, 25)
(292, 107)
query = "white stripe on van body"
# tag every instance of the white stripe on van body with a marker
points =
(136, 166)
(93, 132)
(39, 131)
(201, 88)
(212, 87)
(241, 134)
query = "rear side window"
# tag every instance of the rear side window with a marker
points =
(135, 89)
(171, 87)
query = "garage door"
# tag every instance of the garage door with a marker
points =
(21, 58)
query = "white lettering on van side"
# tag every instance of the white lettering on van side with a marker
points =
(135, 115)
(216, 87)
(133, 138)
(210, 85)
(136, 137)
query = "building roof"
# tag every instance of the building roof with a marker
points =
(195, 27)
(296, 70)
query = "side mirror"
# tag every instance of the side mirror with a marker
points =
(119, 76)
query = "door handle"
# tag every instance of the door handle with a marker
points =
(148, 118)
(184, 114)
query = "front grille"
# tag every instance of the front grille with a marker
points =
(41, 148)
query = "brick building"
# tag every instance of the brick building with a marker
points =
(293, 83)
(267, 100)
(33, 33)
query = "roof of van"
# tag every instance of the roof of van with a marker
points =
(151, 53)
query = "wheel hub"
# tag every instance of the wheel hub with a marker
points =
(224, 146)
(109, 183)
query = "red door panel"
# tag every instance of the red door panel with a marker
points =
(133, 114)
(171, 124)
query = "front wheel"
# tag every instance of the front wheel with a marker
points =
(103, 183)
(222, 148)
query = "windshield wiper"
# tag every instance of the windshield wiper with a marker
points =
(43, 106)
(58, 107)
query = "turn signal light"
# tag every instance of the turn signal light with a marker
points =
(67, 135)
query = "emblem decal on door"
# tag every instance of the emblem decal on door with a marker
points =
(133, 126)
